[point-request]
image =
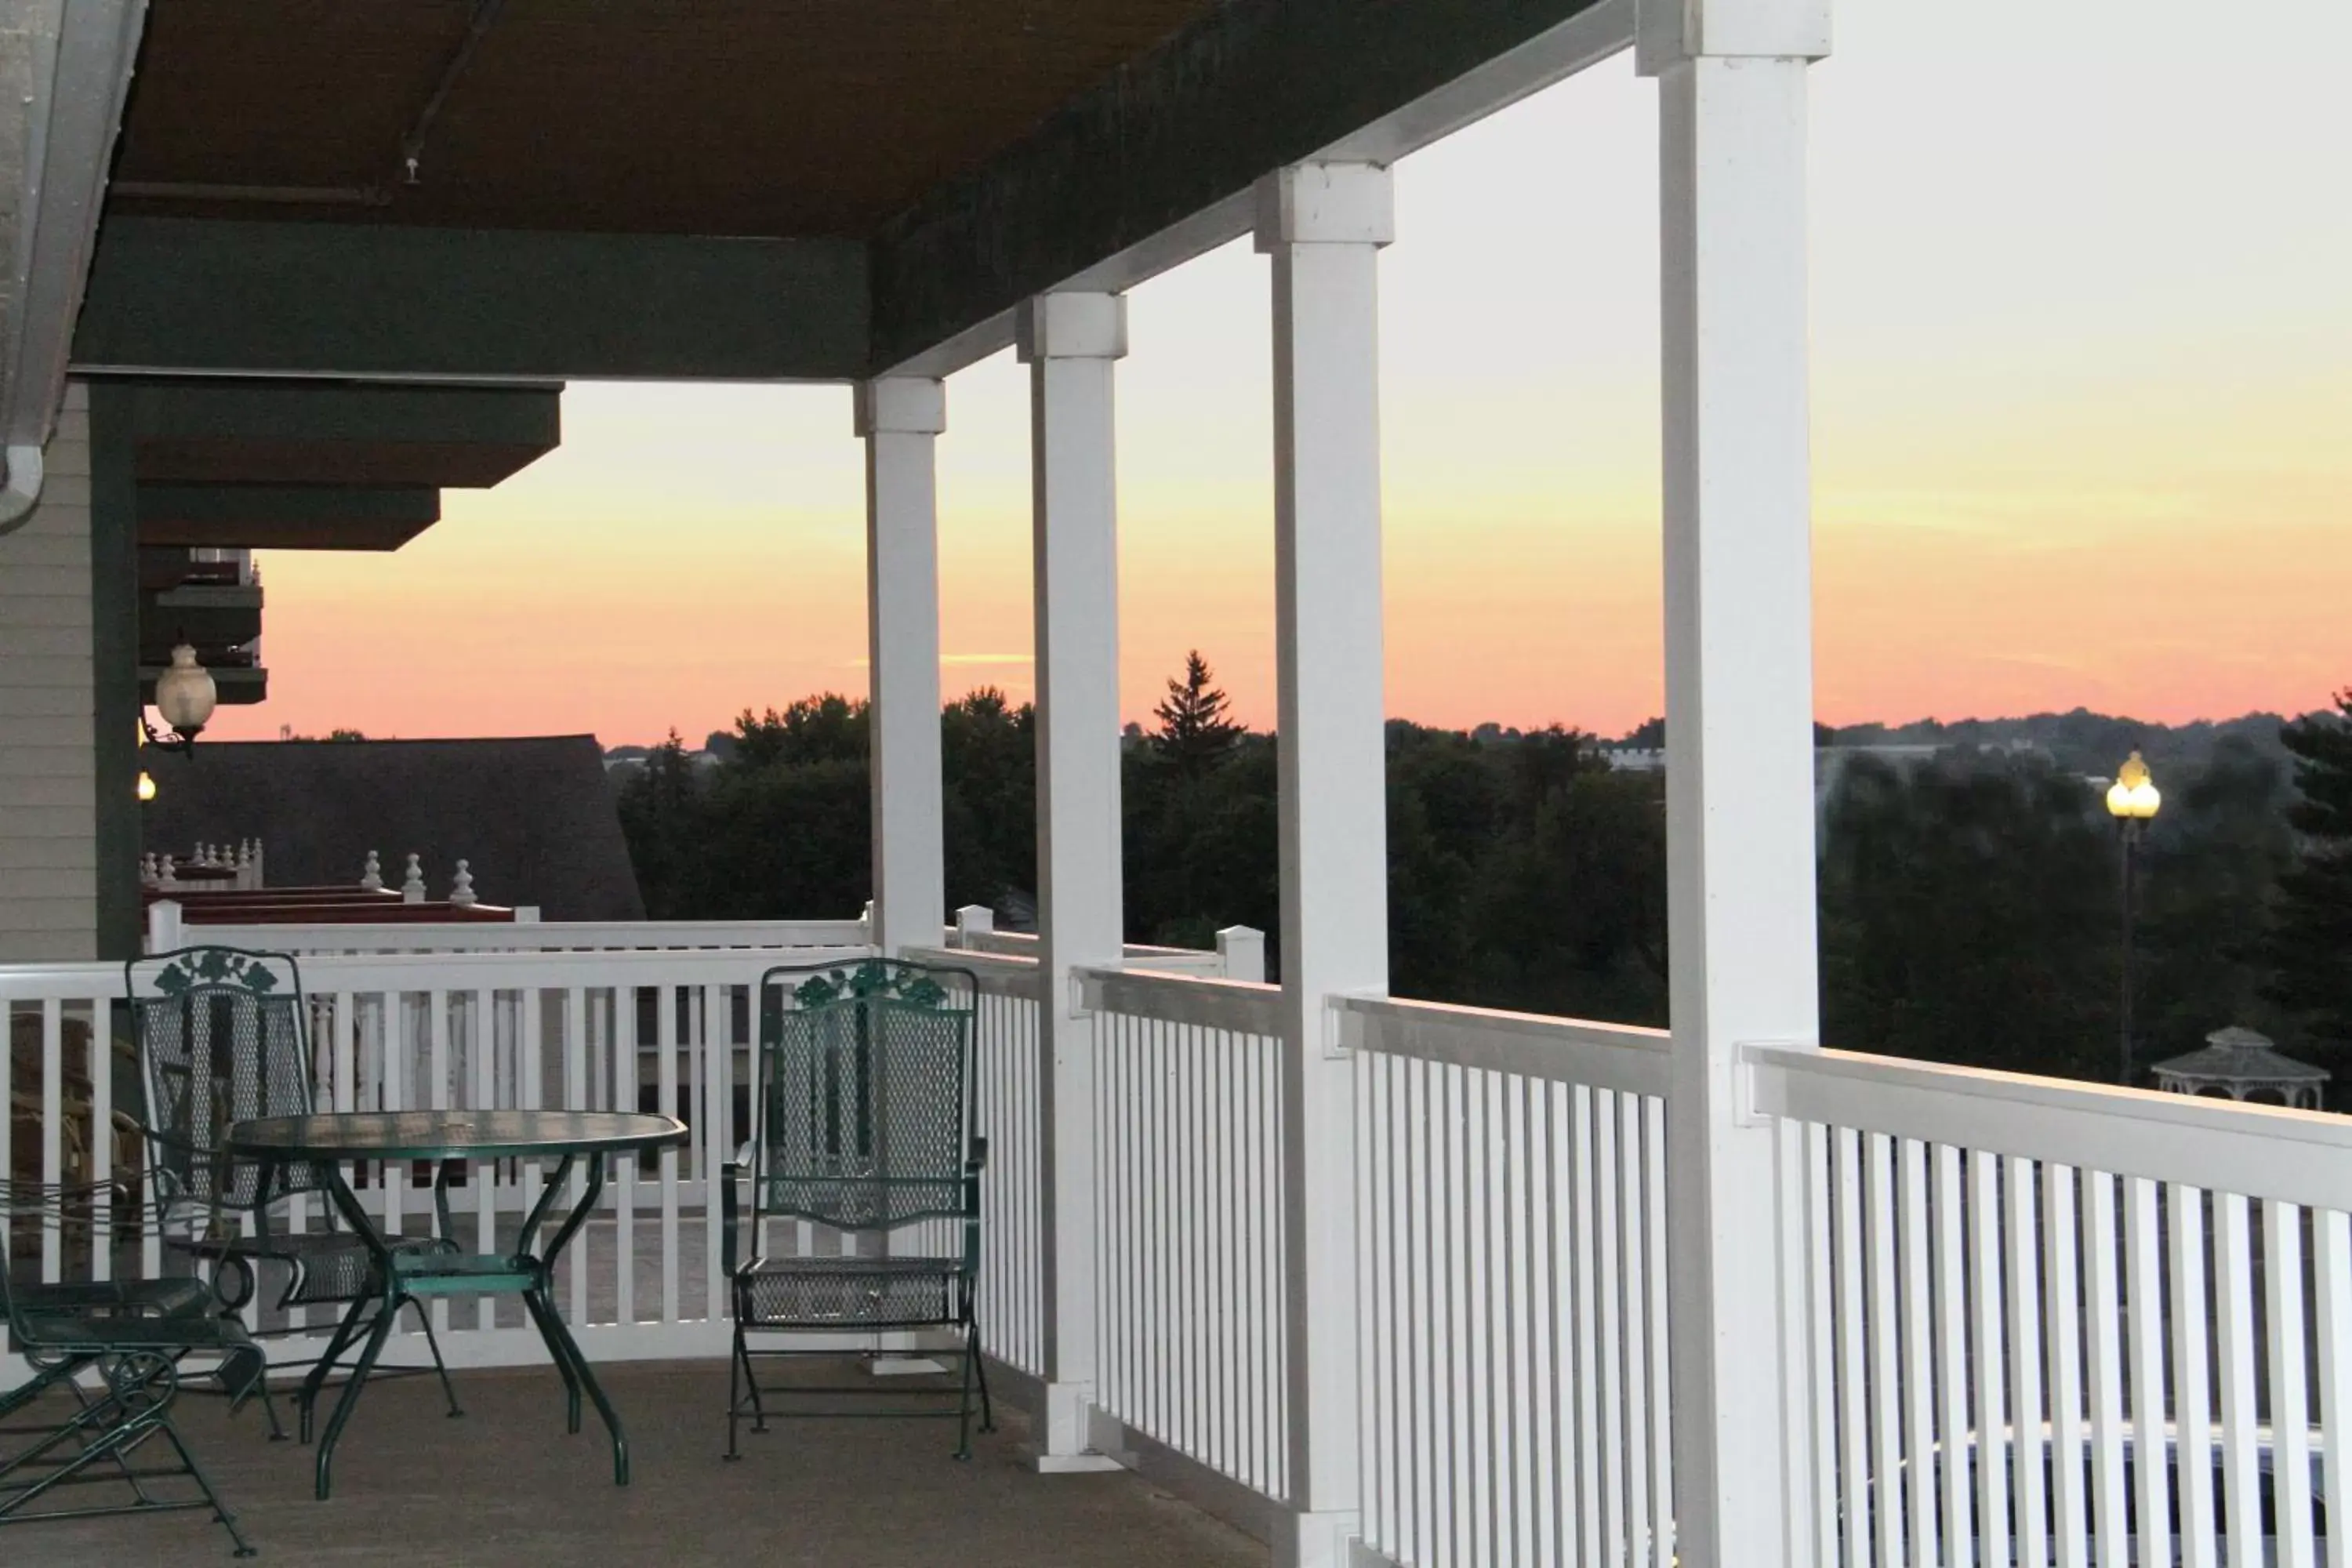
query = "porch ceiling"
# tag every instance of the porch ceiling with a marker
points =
(732, 189)
(719, 117)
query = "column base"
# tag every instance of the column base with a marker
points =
(1308, 1539)
(1067, 1426)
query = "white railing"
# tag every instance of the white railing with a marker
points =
(2052, 1322)
(527, 936)
(2027, 1318)
(1006, 1103)
(1190, 1295)
(1240, 952)
(1510, 1217)
(667, 1031)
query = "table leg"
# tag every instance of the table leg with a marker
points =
(378, 1331)
(316, 1378)
(560, 1342)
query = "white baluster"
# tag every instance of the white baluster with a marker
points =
(165, 876)
(461, 889)
(412, 887)
(148, 870)
(372, 873)
(260, 866)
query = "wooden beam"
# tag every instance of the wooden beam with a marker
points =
(189, 296)
(286, 517)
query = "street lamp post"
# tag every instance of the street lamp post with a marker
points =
(2132, 801)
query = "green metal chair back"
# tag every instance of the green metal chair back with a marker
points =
(222, 1039)
(864, 1106)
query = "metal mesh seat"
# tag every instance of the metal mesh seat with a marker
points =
(847, 1292)
(223, 1038)
(104, 1358)
(865, 1131)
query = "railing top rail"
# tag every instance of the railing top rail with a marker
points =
(550, 935)
(1205, 1001)
(999, 974)
(1621, 1057)
(2257, 1151)
(508, 971)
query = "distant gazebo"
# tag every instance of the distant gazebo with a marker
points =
(2242, 1065)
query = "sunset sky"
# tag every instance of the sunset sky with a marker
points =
(2082, 432)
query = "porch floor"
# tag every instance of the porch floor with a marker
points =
(506, 1486)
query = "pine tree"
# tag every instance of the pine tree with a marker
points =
(2310, 946)
(1194, 733)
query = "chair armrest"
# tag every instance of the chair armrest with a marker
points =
(730, 1204)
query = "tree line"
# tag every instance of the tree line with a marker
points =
(1969, 898)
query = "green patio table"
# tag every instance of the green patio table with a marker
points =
(565, 1136)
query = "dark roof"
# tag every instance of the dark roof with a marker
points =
(745, 118)
(533, 818)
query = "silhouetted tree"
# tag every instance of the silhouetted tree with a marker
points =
(2310, 946)
(1195, 732)
(1968, 915)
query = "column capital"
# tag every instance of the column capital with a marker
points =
(1072, 326)
(1326, 203)
(900, 405)
(1670, 31)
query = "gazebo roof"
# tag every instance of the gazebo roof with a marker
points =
(2241, 1056)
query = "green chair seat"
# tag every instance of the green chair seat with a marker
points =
(861, 1292)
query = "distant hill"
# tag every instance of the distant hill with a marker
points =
(2083, 742)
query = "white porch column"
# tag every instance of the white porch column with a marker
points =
(901, 418)
(1070, 343)
(1740, 747)
(1324, 226)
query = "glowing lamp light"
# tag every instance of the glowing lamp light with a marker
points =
(2133, 797)
(185, 696)
(146, 787)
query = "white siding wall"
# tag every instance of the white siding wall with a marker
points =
(48, 839)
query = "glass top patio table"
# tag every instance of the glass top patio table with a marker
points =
(451, 1135)
(407, 1274)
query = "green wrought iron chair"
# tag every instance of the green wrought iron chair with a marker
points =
(133, 1335)
(224, 1038)
(863, 1128)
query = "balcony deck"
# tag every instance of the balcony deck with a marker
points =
(505, 1486)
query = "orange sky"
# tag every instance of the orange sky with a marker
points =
(2084, 379)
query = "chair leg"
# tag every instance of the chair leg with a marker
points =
(979, 1362)
(751, 1379)
(963, 1410)
(735, 1364)
(269, 1408)
(204, 1485)
(131, 1476)
(433, 1343)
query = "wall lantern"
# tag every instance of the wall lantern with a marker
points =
(185, 697)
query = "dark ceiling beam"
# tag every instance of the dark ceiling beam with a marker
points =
(192, 295)
(285, 517)
(1166, 148)
(226, 431)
